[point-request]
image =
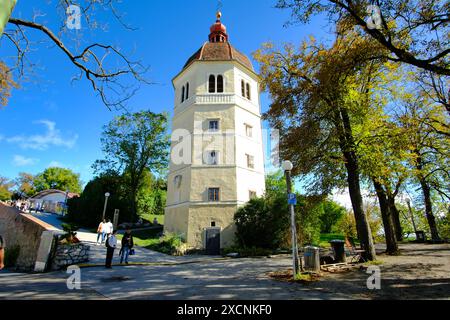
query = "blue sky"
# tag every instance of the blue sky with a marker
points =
(51, 121)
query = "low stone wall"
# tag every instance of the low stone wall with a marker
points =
(67, 255)
(22, 231)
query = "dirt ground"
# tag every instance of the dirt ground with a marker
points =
(421, 271)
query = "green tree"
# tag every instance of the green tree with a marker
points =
(59, 179)
(5, 186)
(329, 214)
(428, 150)
(275, 184)
(87, 210)
(25, 184)
(133, 144)
(319, 95)
(414, 32)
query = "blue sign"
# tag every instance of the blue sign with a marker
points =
(292, 199)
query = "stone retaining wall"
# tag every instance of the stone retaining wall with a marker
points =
(67, 255)
(22, 231)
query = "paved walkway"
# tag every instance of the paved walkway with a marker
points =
(420, 272)
(98, 252)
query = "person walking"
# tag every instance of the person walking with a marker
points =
(127, 246)
(108, 228)
(111, 244)
(101, 235)
(2, 252)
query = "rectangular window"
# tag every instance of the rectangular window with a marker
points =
(249, 131)
(250, 161)
(213, 194)
(252, 194)
(213, 125)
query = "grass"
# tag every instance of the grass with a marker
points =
(325, 239)
(151, 217)
(374, 263)
(145, 238)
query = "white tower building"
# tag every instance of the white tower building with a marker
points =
(217, 161)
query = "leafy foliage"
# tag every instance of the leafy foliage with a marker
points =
(134, 144)
(329, 214)
(59, 179)
(411, 31)
(5, 189)
(6, 84)
(87, 210)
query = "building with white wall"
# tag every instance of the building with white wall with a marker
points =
(217, 161)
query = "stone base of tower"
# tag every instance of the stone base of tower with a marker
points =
(191, 222)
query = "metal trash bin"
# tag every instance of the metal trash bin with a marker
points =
(339, 250)
(312, 259)
(420, 236)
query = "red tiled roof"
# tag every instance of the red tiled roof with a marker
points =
(219, 51)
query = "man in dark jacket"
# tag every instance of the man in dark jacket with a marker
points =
(111, 244)
(127, 245)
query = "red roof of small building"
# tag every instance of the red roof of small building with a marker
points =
(44, 193)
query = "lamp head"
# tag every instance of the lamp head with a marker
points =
(107, 194)
(287, 166)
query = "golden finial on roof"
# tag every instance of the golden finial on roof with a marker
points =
(219, 15)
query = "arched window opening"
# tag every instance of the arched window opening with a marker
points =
(182, 94)
(220, 84)
(187, 91)
(243, 88)
(248, 92)
(212, 84)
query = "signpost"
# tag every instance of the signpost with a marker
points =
(116, 219)
(6, 7)
(292, 201)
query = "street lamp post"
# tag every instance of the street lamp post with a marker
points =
(287, 167)
(106, 203)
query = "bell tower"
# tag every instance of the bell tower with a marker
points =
(217, 161)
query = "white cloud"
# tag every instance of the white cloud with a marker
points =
(21, 161)
(52, 137)
(56, 164)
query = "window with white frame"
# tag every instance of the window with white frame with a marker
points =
(212, 84)
(246, 90)
(213, 194)
(211, 158)
(248, 130)
(213, 125)
(216, 83)
(250, 161)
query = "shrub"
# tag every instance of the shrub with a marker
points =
(265, 222)
(169, 244)
(262, 223)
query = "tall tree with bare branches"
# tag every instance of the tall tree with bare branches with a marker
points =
(113, 75)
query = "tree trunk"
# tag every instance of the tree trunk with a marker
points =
(387, 216)
(395, 218)
(347, 145)
(426, 190)
(429, 210)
